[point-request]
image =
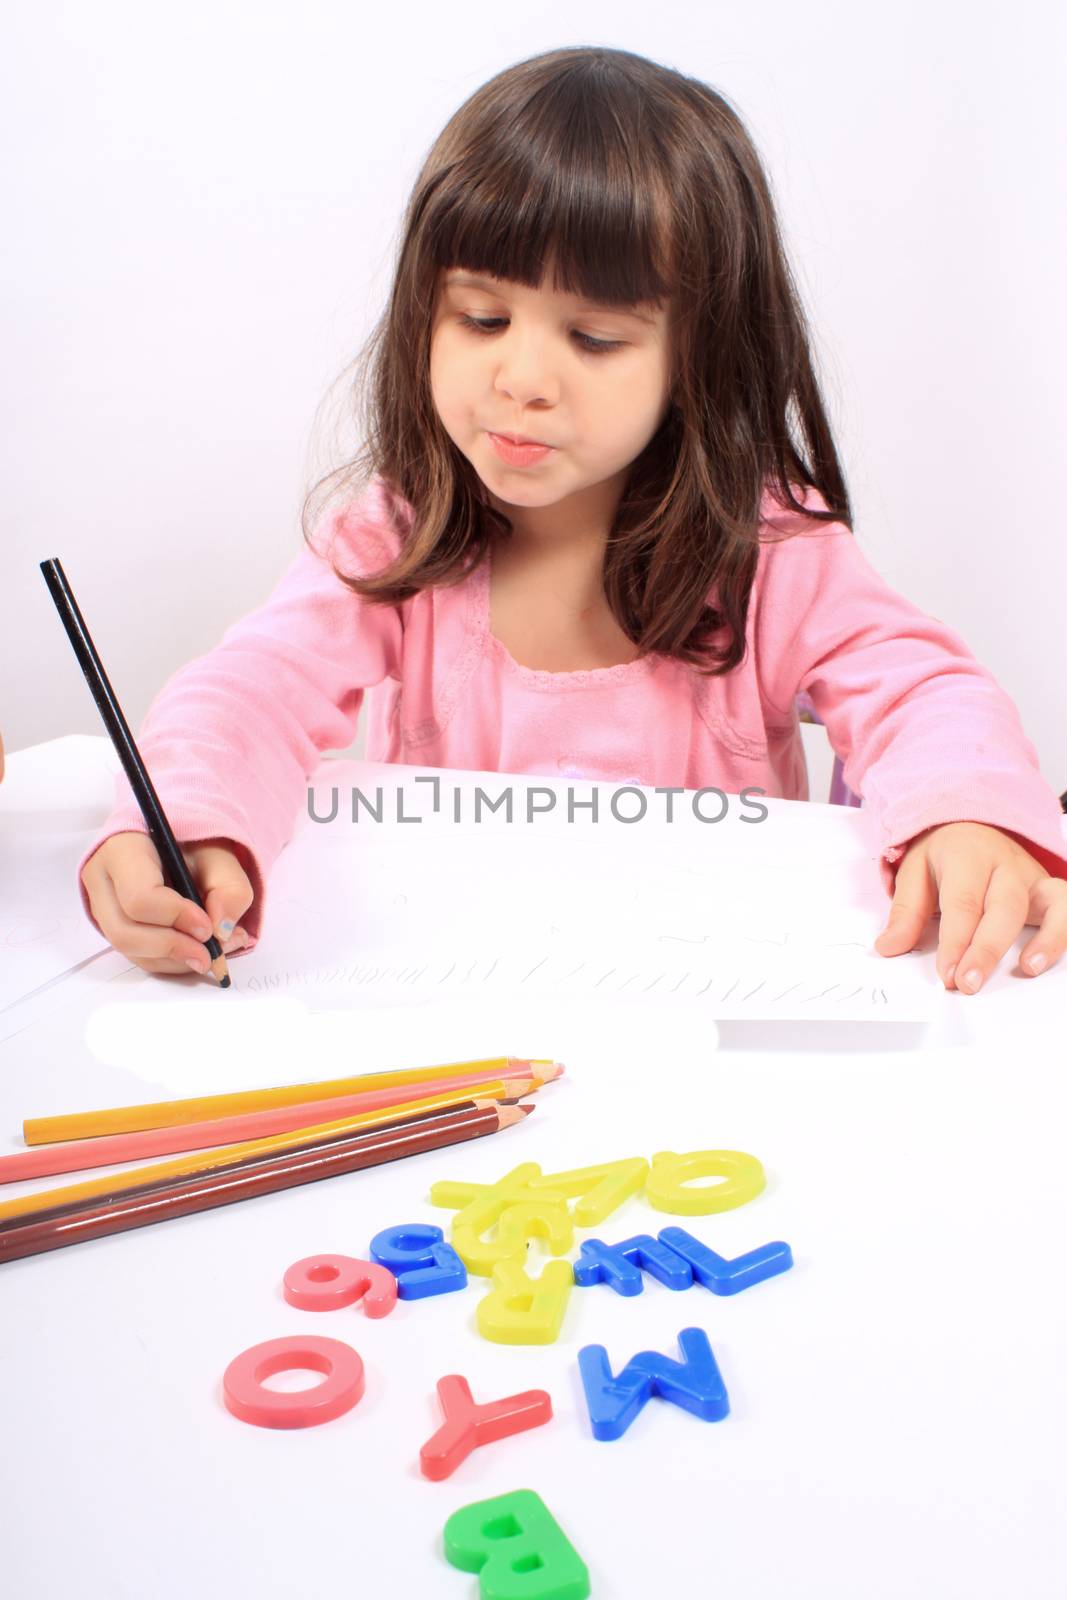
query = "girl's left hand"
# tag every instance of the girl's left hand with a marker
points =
(988, 888)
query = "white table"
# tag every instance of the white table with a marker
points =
(898, 1401)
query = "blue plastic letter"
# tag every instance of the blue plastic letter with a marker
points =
(620, 1264)
(613, 1402)
(420, 1262)
(694, 1384)
(722, 1276)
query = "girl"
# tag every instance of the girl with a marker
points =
(599, 529)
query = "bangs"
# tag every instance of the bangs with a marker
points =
(567, 190)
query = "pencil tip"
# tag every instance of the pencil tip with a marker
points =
(541, 1066)
(508, 1116)
(224, 983)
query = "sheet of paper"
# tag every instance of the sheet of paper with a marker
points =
(53, 800)
(441, 898)
(390, 912)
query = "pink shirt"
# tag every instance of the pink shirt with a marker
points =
(925, 732)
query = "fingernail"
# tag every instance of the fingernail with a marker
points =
(225, 929)
(949, 973)
(195, 966)
(973, 979)
(1036, 963)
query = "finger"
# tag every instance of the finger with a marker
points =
(154, 948)
(914, 903)
(144, 897)
(224, 886)
(974, 936)
(1048, 908)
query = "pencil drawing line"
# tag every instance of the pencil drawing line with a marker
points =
(606, 975)
(731, 989)
(855, 992)
(577, 969)
(792, 986)
(821, 995)
(706, 987)
(678, 985)
(756, 990)
(492, 969)
(449, 973)
(653, 984)
(534, 968)
(622, 986)
(681, 938)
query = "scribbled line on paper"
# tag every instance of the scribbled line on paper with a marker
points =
(586, 976)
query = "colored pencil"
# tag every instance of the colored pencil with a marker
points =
(202, 1191)
(175, 870)
(106, 1197)
(169, 1113)
(76, 1155)
(219, 1156)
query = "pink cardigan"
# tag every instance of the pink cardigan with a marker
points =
(925, 732)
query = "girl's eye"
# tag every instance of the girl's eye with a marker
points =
(594, 347)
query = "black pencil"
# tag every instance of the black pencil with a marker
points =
(175, 871)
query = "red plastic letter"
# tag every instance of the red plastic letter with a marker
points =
(467, 1425)
(325, 1283)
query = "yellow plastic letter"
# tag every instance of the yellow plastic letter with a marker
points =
(666, 1186)
(523, 1310)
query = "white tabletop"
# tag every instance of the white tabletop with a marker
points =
(897, 1399)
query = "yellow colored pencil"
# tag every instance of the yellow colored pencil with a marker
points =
(198, 1161)
(171, 1113)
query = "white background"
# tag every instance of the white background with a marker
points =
(201, 205)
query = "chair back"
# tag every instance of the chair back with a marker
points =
(840, 793)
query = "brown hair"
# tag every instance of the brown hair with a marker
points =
(639, 185)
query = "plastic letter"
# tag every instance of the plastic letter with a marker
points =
(480, 1204)
(422, 1264)
(666, 1185)
(523, 1310)
(613, 1402)
(545, 1218)
(517, 1548)
(602, 1189)
(716, 1272)
(326, 1283)
(620, 1264)
(694, 1384)
(245, 1395)
(467, 1425)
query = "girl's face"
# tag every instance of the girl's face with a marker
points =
(591, 381)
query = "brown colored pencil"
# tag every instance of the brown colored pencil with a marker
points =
(219, 1187)
(108, 1199)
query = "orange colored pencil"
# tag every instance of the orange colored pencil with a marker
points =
(76, 1155)
(169, 1113)
(201, 1191)
(220, 1155)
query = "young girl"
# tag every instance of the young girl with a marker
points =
(590, 260)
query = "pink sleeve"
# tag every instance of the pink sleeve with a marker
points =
(232, 737)
(925, 732)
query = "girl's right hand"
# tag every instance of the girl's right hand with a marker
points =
(153, 926)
